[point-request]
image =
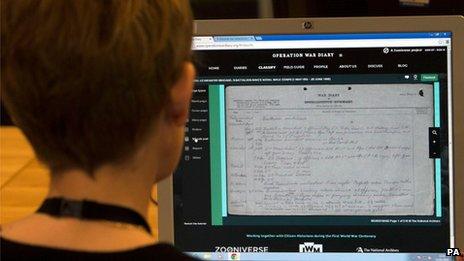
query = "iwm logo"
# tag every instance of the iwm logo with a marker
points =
(310, 247)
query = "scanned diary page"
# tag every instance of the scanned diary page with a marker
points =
(357, 149)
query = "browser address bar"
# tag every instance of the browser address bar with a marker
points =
(222, 45)
(418, 42)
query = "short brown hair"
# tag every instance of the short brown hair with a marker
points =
(85, 80)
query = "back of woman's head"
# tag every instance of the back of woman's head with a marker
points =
(85, 80)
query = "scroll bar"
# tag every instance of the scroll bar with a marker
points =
(436, 103)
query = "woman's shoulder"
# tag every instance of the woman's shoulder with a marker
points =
(12, 250)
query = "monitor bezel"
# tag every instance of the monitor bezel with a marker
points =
(453, 24)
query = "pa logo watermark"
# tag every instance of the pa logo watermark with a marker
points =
(453, 252)
(310, 247)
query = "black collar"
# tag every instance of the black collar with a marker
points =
(91, 210)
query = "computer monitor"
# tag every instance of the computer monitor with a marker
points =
(336, 136)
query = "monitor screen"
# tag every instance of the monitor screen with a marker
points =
(332, 143)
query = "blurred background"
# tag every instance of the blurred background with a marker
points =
(211, 9)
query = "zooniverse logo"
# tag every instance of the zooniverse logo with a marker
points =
(241, 249)
(310, 247)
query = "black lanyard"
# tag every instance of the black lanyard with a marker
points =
(91, 210)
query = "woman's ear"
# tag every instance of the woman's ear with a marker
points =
(180, 96)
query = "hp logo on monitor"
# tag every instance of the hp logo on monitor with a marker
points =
(307, 25)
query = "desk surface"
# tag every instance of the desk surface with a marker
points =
(24, 180)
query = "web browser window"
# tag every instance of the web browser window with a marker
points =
(332, 143)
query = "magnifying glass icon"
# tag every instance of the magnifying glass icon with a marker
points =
(434, 132)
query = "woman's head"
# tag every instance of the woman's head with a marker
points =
(89, 81)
